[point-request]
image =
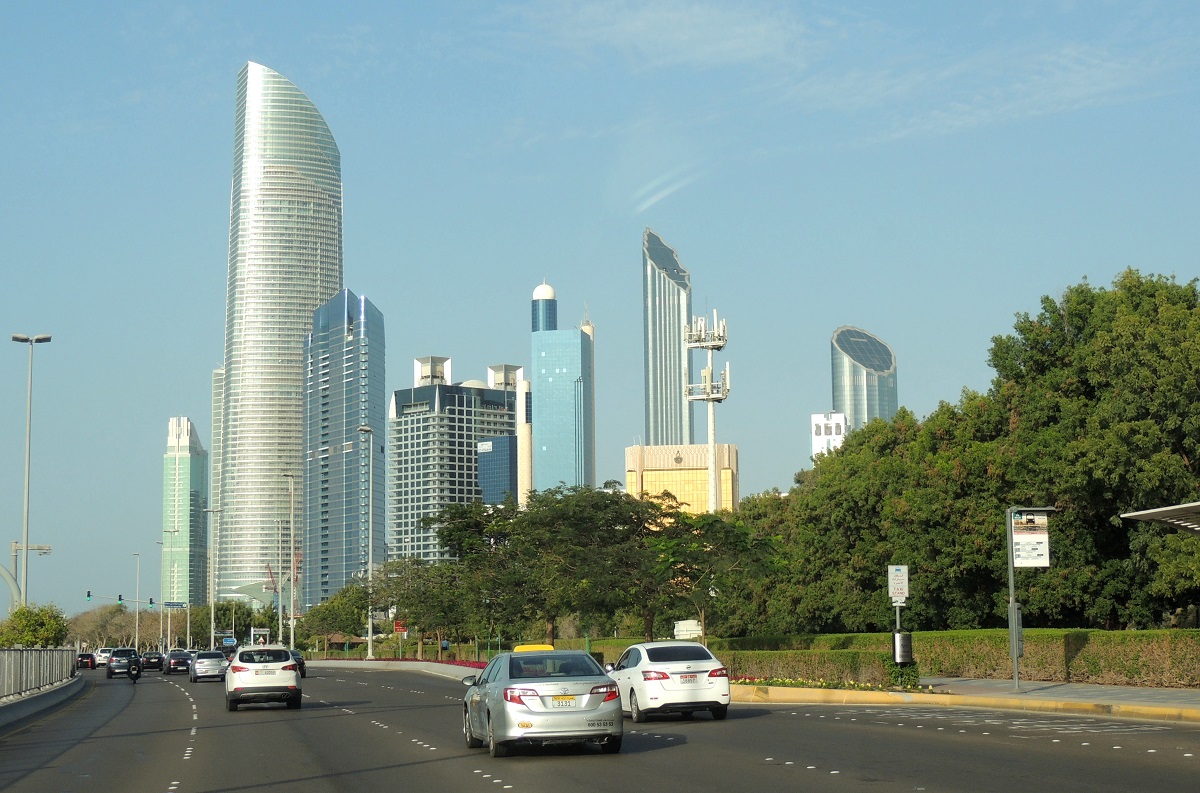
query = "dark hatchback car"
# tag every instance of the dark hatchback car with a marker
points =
(152, 660)
(85, 661)
(177, 661)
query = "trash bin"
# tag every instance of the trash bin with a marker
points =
(902, 648)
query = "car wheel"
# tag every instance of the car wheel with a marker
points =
(472, 741)
(612, 745)
(495, 748)
(108, 673)
(294, 703)
(720, 713)
(230, 705)
(636, 713)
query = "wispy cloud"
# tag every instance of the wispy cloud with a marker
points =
(692, 33)
(663, 186)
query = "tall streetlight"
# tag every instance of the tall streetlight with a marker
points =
(370, 535)
(21, 338)
(137, 603)
(162, 548)
(212, 592)
(292, 558)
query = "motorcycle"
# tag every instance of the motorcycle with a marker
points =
(135, 671)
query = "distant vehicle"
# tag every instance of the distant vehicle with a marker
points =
(671, 677)
(208, 663)
(299, 659)
(264, 673)
(102, 656)
(177, 661)
(541, 697)
(119, 660)
(152, 659)
(85, 661)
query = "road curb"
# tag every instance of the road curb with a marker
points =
(24, 707)
(832, 696)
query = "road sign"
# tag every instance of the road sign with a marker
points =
(898, 583)
(229, 641)
(174, 604)
(1031, 539)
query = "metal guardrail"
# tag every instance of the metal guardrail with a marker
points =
(26, 671)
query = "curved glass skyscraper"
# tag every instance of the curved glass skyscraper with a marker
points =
(864, 377)
(285, 260)
(666, 315)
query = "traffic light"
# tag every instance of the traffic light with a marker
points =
(120, 598)
(89, 595)
(152, 604)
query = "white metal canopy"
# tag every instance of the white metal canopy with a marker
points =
(1184, 516)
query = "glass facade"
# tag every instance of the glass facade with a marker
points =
(564, 400)
(864, 377)
(185, 497)
(666, 314)
(498, 468)
(433, 446)
(285, 260)
(344, 390)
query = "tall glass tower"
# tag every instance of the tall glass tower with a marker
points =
(344, 471)
(666, 314)
(285, 260)
(864, 377)
(564, 397)
(185, 497)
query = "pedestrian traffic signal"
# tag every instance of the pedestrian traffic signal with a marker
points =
(89, 595)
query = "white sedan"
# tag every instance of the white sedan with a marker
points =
(671, 677)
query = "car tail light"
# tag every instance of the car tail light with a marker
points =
(235, 669)
(654, 674)
(719, 672)
(608, 690)
(289, 667)
(514, 695)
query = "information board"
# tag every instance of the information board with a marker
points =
(1031, 539)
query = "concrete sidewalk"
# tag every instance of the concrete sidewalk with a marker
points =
(1159, 704)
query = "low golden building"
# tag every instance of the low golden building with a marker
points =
(683, 472)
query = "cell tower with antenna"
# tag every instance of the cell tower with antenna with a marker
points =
(712, 388)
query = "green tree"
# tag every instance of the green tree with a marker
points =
(34, 626)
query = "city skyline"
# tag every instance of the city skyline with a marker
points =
(926, 174)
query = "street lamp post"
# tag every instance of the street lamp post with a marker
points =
(292, 560)
(137, 603)
(21, 338)
(212, 592)
(162, 547)
(370, 433)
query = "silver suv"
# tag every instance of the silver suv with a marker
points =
(118, 661)
(208, 663)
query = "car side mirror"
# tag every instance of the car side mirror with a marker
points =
(469, 680)
(609, 668)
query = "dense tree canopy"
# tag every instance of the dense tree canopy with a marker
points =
(34, 626)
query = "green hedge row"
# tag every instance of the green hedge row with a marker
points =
(1161, 658)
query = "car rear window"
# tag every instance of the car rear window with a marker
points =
(529, 665)
(264, 656)
(661, 655)
(210, 655)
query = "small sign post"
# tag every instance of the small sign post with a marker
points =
(898, 588)
(1028, 546)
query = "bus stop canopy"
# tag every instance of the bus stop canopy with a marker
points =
(1184, 516)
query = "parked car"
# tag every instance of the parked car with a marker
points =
(208, 663)
(85, 661)
(102, 656)
(299, 659)
(152, 659)
(119, 660)
(262, 674)
(541, 697)
(177, 661)
(671, 677)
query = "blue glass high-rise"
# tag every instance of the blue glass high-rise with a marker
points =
(344, 390)
(564, 397)
(864, 377)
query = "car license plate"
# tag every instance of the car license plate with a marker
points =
(264, 671)
(564, 702)
(687, 679)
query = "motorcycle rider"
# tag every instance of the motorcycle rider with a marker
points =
(135, 669)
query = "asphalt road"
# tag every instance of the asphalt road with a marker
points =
(364, 730)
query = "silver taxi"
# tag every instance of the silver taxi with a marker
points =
(541, 697)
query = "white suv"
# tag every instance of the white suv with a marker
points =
(262, 674)
(102, 656)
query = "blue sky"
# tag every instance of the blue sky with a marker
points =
(924, 172)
